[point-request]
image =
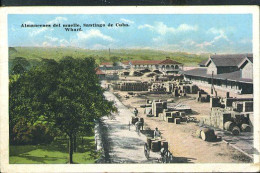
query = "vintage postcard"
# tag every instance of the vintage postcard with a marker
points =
(140, 89)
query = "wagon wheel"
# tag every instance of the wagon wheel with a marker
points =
(164, 157)
(146, 151)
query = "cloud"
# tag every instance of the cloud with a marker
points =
(127, 21)
(245, 41)
(158, 39)
(28, 23)
(205, 44)
(93, 33)
(99, 46)
(57, 20)
(220, 34)
(38, 31)
(47, 44)
(52, 39)
(188, 42)
(64, 43)
(162, 29)
(146, 26)
(13, 28)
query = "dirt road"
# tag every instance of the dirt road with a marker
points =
(183, 144)
(126, 145)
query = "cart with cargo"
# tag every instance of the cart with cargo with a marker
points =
(160, 146)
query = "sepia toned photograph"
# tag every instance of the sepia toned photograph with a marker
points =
(131, 88)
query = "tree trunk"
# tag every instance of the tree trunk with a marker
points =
(70, 149)
(74, 143)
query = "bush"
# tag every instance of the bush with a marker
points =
(23, 133)
(40, 134)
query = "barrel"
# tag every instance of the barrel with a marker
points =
(165, 145)
(177, 120)
(245, 128)
(235, 130)
(229, 125)
(159, 145)
(155, 146)
(198, 135)
(149, 141)
(207, 134)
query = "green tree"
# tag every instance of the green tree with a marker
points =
(114, 59)
(66, 93)
(19, 65)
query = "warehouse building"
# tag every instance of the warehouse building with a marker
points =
(232, 72)
(167, 65)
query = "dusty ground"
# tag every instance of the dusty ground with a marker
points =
(183, 144)
(125, 144)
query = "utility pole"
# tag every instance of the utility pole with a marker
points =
(109, 53)
(212, 85)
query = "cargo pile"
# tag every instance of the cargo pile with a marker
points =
(173, 116)
(203, 97)
(231, 114)
(131, 86)
(206, 134)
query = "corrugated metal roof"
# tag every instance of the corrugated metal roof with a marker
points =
(228, 60)
(250, 58)
(203, 62)
(233, 76)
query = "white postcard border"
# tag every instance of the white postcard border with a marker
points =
(230, 167)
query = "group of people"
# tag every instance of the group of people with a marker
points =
(140, 124)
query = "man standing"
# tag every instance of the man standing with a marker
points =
(156, 133)
(135, 112)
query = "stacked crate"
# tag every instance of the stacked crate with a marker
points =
(248, 106)
(157, 107)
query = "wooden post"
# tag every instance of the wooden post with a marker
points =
(70, 149)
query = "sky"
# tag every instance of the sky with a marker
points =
(201, 33)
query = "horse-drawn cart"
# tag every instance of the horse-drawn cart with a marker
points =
(138, 122)
(160, 146)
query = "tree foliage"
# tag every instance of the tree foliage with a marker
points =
(64, 95)
(19, 65)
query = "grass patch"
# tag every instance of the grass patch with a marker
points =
(34, 54)
(55, 153)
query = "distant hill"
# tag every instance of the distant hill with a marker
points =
(35, 54)
(12, 50)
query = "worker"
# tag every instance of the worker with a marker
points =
(156, 133)
(135, 112)
(142, 123)
(138, 125)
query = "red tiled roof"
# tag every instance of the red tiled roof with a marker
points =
(169, 61)
(106, 63)
(145, 62)
(150, 62)
(99, 72)
(125, 62)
